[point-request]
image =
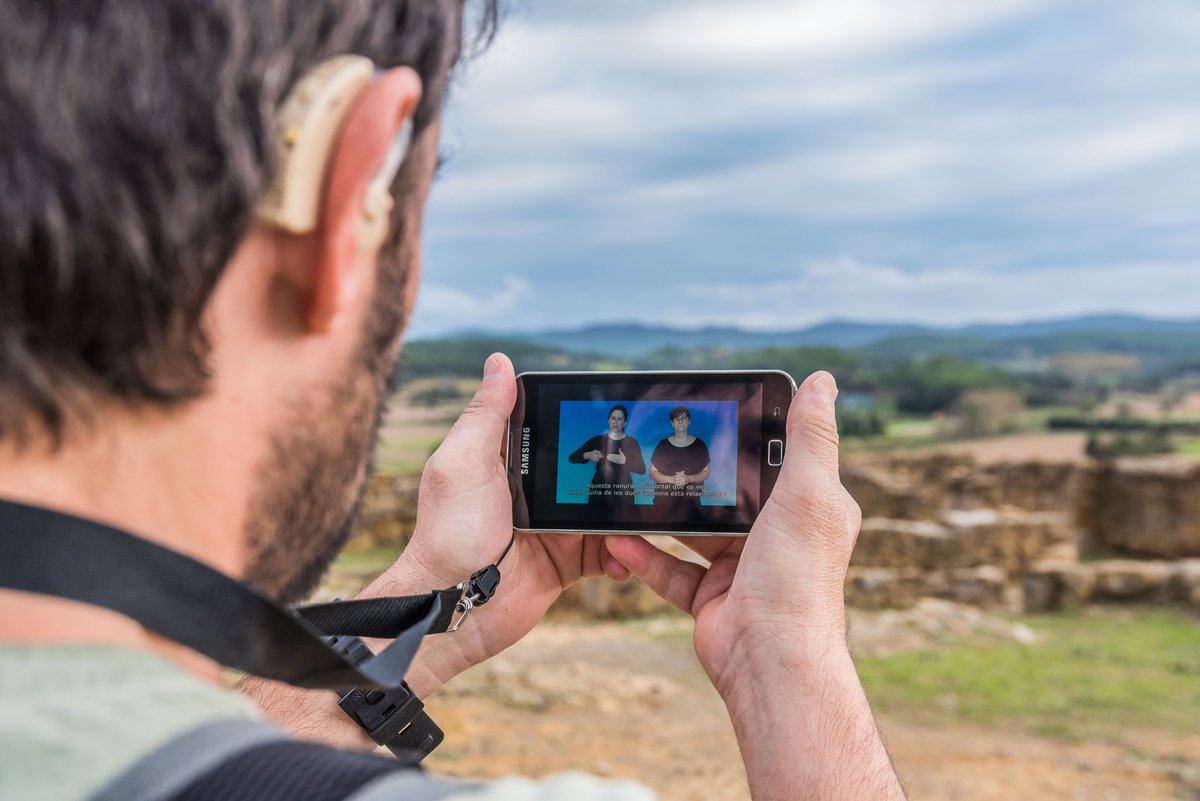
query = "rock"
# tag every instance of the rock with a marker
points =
(571, 683)
(1023, 634)
(1011, 541)
(1053, 585)
(388, 514)
(885, 588)
(1130, 580)
(1184, 586)
(982, 586)
(901, 544)
(1149, 507)
(881, 494)
(601, 597)
(902, 588)
(1040, 486)
(1060, 552)
(940, 480)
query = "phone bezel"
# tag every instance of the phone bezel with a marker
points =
(778, 389)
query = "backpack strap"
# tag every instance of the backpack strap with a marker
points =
(297, 771)
(173, 766)
(244, 760)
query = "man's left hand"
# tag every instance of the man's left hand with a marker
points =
(464, 521)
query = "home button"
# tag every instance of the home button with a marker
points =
(775, 452)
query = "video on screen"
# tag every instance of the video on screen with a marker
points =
(649, 460)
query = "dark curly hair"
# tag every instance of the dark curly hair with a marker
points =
(134, 146)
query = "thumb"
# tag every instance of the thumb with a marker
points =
(480, 430)
(812, 436)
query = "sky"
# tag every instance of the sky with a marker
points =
(773, 164)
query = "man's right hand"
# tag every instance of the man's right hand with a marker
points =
(771, 626)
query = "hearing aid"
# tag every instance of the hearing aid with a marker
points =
(308, 123)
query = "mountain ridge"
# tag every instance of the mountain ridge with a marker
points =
(632, 338)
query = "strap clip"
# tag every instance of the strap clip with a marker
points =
(476, 591)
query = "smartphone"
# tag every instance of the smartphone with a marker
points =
(693, 452)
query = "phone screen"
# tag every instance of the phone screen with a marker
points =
(645, 452)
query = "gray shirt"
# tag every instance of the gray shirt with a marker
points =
(74, 718)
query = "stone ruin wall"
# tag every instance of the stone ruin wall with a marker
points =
(1018, 537)
(1024, 536)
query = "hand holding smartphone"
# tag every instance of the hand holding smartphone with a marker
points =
(648, 452)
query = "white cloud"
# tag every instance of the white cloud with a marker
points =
(745, 34)
(845, 288)
(441, 309)
(988, 135)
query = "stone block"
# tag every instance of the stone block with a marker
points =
(887, 495)
(885, 587)
(1011, 541)
(388, 513)
(1057, 584)
(1039, 486)
(1060, 552)
(600, 597)
(982, 586)
(1149, 507)
(1184, 586)
(901, 544)
(1131, 580)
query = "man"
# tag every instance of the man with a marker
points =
(176, 367)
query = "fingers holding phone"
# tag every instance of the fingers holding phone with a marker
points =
(783, 588)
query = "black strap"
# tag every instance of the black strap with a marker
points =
(233, 759)
(179, 762)
(291, 771)
(51, 553)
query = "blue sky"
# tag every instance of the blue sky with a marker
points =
(777, 163)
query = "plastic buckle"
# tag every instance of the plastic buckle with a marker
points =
(476, 591)
(396, 718)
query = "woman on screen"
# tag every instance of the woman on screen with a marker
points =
(679, 468)
(617, 457)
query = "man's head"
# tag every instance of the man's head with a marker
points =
(136, 141)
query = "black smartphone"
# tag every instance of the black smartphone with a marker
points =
(646, 452)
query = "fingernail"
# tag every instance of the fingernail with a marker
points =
(491, 366)
(825, 387)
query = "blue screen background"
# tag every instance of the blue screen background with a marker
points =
(715, 422)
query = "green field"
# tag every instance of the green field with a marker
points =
(1188, 446)
(1090, 676)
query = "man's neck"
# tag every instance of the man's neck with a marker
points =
(149, 484)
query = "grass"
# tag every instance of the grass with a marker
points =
(1188, 446)
(903, 432)
(366, 559)
(404, 453)
(1089, 676)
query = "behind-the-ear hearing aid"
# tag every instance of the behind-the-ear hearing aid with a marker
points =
(309, 121)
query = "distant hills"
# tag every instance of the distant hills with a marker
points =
(1103, 333)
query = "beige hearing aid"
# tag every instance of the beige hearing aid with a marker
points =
(309, 121)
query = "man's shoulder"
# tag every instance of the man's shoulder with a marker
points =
(76, 720)
(75, 717)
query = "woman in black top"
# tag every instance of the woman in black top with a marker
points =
(617, 457)
(679, 468)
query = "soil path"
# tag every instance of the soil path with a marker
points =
(630, 701)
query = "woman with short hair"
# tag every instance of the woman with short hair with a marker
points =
(679, 467)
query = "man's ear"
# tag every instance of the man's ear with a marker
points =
(362, 146)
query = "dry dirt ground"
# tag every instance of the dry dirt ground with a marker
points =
(630, 701)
